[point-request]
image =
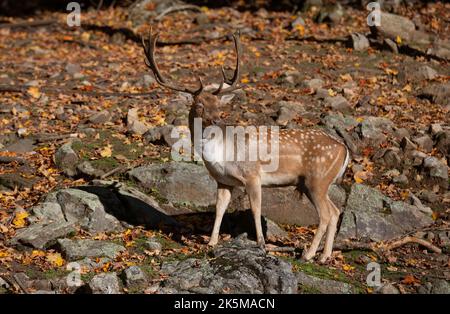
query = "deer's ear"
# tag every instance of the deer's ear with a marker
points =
(225, 99)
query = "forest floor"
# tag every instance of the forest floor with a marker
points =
(63, 76)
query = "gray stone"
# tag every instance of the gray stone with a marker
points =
(105, 283)
(289, 110)
(325, 286)
(437, 170)
(73, 68)
(424, 142)
(359, 42)
(298, 21)
(153, 245)
(401, 180)
(338, 103)
(135, 278)
(313, 84)
(15, 180)
(25, 145)
(46, 212)
(392, 25)
(3, 284)
(100, 117)
(440, 286)
(87, 210)
(443, 143)
(66, 159)
(388, 288)
(178, 182)
(134, 125)
(79, 249)
(373, 129)
(40, 235)
(238, 266)
(287, 205)
(369, 214)
(86, 168)
(392, 45)
(438, 93)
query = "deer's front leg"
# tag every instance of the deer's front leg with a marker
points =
(253, 188)
(223, 199)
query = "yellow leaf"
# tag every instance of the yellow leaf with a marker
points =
(34, 92)
(360, 119)
(3, 254)
(407, 88)
(55, 259)
(129, 243)
(300, 29)
(106, 151)
(347, 267)
(245, 80)
(19, 219)
(331, 92)
(435, 215)
(346, 77)
(37, 253)
(398, 40)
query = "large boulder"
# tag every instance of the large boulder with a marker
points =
(178, 182)
(239, 266)
(287, 205)
(371, 215)
(79, 249)
(106, 283)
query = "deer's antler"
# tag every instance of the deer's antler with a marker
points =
(149, 49)
(237, 71)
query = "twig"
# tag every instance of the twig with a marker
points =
(410, 239)
(382, 247)
(19, 283)
(114, 171)
(177, 8)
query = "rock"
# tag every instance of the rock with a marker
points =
(373, 129)
(392, 25)
(428, 196)
(86, 168)
(331, 13)
(274, 231)
(359, 42)
(391, 45)
(388, 288)
(291, 78)
(440, 286)
(401, 180)
(3, 284)
(100, 117)
(87, 210)
(407, 145)
(134, 125)
(437, 170)
(443, 143)
(325, 286)
(135, 278)
(41, 235)
(66, 159)
(426, 73)
(371, 215)
(389, 157)
(400, 133)
(425, 143)
(435, 128)
(201, 19)
(21, 146)
(438, 93)
(153, 245)
(238, 266)
(178, 182)
(156, 134)
(338, 103)
(289, 110)
(105, 283)
(286, 205)
(79, 249)
(313, 84)
(15, 180)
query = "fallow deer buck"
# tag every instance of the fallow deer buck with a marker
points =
(309, 159)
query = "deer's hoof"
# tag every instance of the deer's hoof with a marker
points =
(212, 243)
(323, 259)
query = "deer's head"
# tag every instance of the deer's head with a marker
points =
(206, 104)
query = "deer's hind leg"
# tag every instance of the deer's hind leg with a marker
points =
(331, 231)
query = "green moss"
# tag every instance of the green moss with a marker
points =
(55, 273)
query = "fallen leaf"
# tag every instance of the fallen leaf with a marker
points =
(55, 259)
(19, 219)
(410, 280)
(106, 151)
(34, 92)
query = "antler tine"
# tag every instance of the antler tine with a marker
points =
(149, 50)
(235, 79)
